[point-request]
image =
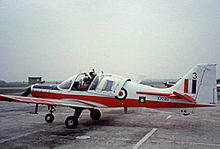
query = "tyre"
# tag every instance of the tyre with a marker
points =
(49, 118)
(95, 114)
(71, 122)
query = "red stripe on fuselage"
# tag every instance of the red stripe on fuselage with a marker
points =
(108, 101)
(113, 102)
(218, 88)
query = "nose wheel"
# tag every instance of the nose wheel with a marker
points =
(49, 118)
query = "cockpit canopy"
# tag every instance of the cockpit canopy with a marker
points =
(73, 82)
(101, 83)
(65, 84)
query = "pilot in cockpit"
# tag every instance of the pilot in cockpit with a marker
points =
(92, 75)
(86, 81)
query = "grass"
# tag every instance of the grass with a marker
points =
(14, 90)
(14, 85)
(7, 91)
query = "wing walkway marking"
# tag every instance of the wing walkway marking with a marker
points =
(145, 138)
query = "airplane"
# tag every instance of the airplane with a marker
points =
(196, 91)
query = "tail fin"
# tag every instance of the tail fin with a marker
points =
(200, 84)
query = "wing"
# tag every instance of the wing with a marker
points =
(73, 103)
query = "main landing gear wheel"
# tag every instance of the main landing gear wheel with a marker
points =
(49, 118)
(71, 122)
(95, 114)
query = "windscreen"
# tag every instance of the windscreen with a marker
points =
(66, 84)
(94, 83)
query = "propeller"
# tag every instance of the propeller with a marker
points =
(27, 92)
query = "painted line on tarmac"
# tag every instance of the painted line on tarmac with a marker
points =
(184, 142)
(145, 138)
(16, 137)
(169, 117)
(23, 135)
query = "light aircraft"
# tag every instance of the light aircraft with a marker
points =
(196, 91)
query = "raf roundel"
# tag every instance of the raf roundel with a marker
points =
(122, 94)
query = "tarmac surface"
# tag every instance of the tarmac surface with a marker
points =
(140, 128)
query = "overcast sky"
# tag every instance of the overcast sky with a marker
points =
(155, 38)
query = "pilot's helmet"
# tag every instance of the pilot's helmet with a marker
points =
(92, 73)
(86, 79)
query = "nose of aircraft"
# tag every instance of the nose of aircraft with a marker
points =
(26, 92)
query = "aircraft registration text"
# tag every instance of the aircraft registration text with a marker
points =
(162, 98)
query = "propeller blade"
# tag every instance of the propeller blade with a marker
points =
(26, 92)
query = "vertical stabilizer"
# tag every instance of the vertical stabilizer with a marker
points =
(200, 84)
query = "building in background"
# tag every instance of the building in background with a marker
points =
(2, 82)
(34, 79)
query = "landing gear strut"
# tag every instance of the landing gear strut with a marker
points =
(49, 118)
(72, 121)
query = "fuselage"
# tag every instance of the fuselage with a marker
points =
(137, 95)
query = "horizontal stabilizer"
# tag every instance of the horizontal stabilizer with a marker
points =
(186, 97)
(174, 95)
